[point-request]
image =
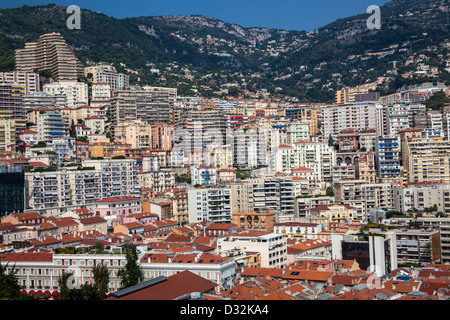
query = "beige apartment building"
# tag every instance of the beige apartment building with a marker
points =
(136, 133)
(162, 136)
(365, 168)
(7, 131)
(107, 74)
(340, 213)
(427, 159)
(347, 95)
(49, 52)
(11, 99)
(262, 221)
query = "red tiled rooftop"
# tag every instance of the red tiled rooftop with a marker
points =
(27, 257)
(90, 220)
(118, 199)
(263, 272)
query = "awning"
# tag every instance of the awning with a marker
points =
(54, 293)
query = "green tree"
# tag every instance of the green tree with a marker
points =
(9, 285)
(391, 213)
(67, 287)
(72, 131)
(83, 139)
(40, 144)
(70, 290)
(131, 274)
(330, 141)
(100, 286)
(99, 247)
(182, 178)
(437, 100)
(330, 192)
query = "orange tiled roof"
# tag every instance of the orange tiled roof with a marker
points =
(298, 274)
(263, 272)
(27, 257)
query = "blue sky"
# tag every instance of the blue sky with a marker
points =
(282, 14)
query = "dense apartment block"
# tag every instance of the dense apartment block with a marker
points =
(50, 52)
(28, 80)
(209, 204)
(427, 159)
(11, 100)
(76, 92)
(271, 246)
(387, 149)
(364, 196)
(418, 246)
(421, 196)
(55, 192)
(107, 74)
(270, 192)
(151, 105)
(318, 156)
(355, 115)
(44, 100)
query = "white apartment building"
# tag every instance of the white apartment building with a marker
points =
(248, 149)
(209, 204)
(354, 115)
(298, 131)
(298, 230)
(120, 176)
(47, 192)
(50, 125)
(44, 100)
(203, 175)
(104, 73)
(53, 193)
(101, 93)
(158, 181)
(96, 124)
(398, 117)
(219, 270)
(422, 196)
(269, 192)
(318, 156)
(271, 246)
(75, 92)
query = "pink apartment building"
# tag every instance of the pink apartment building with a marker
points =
(116, 208)
(29, 137)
